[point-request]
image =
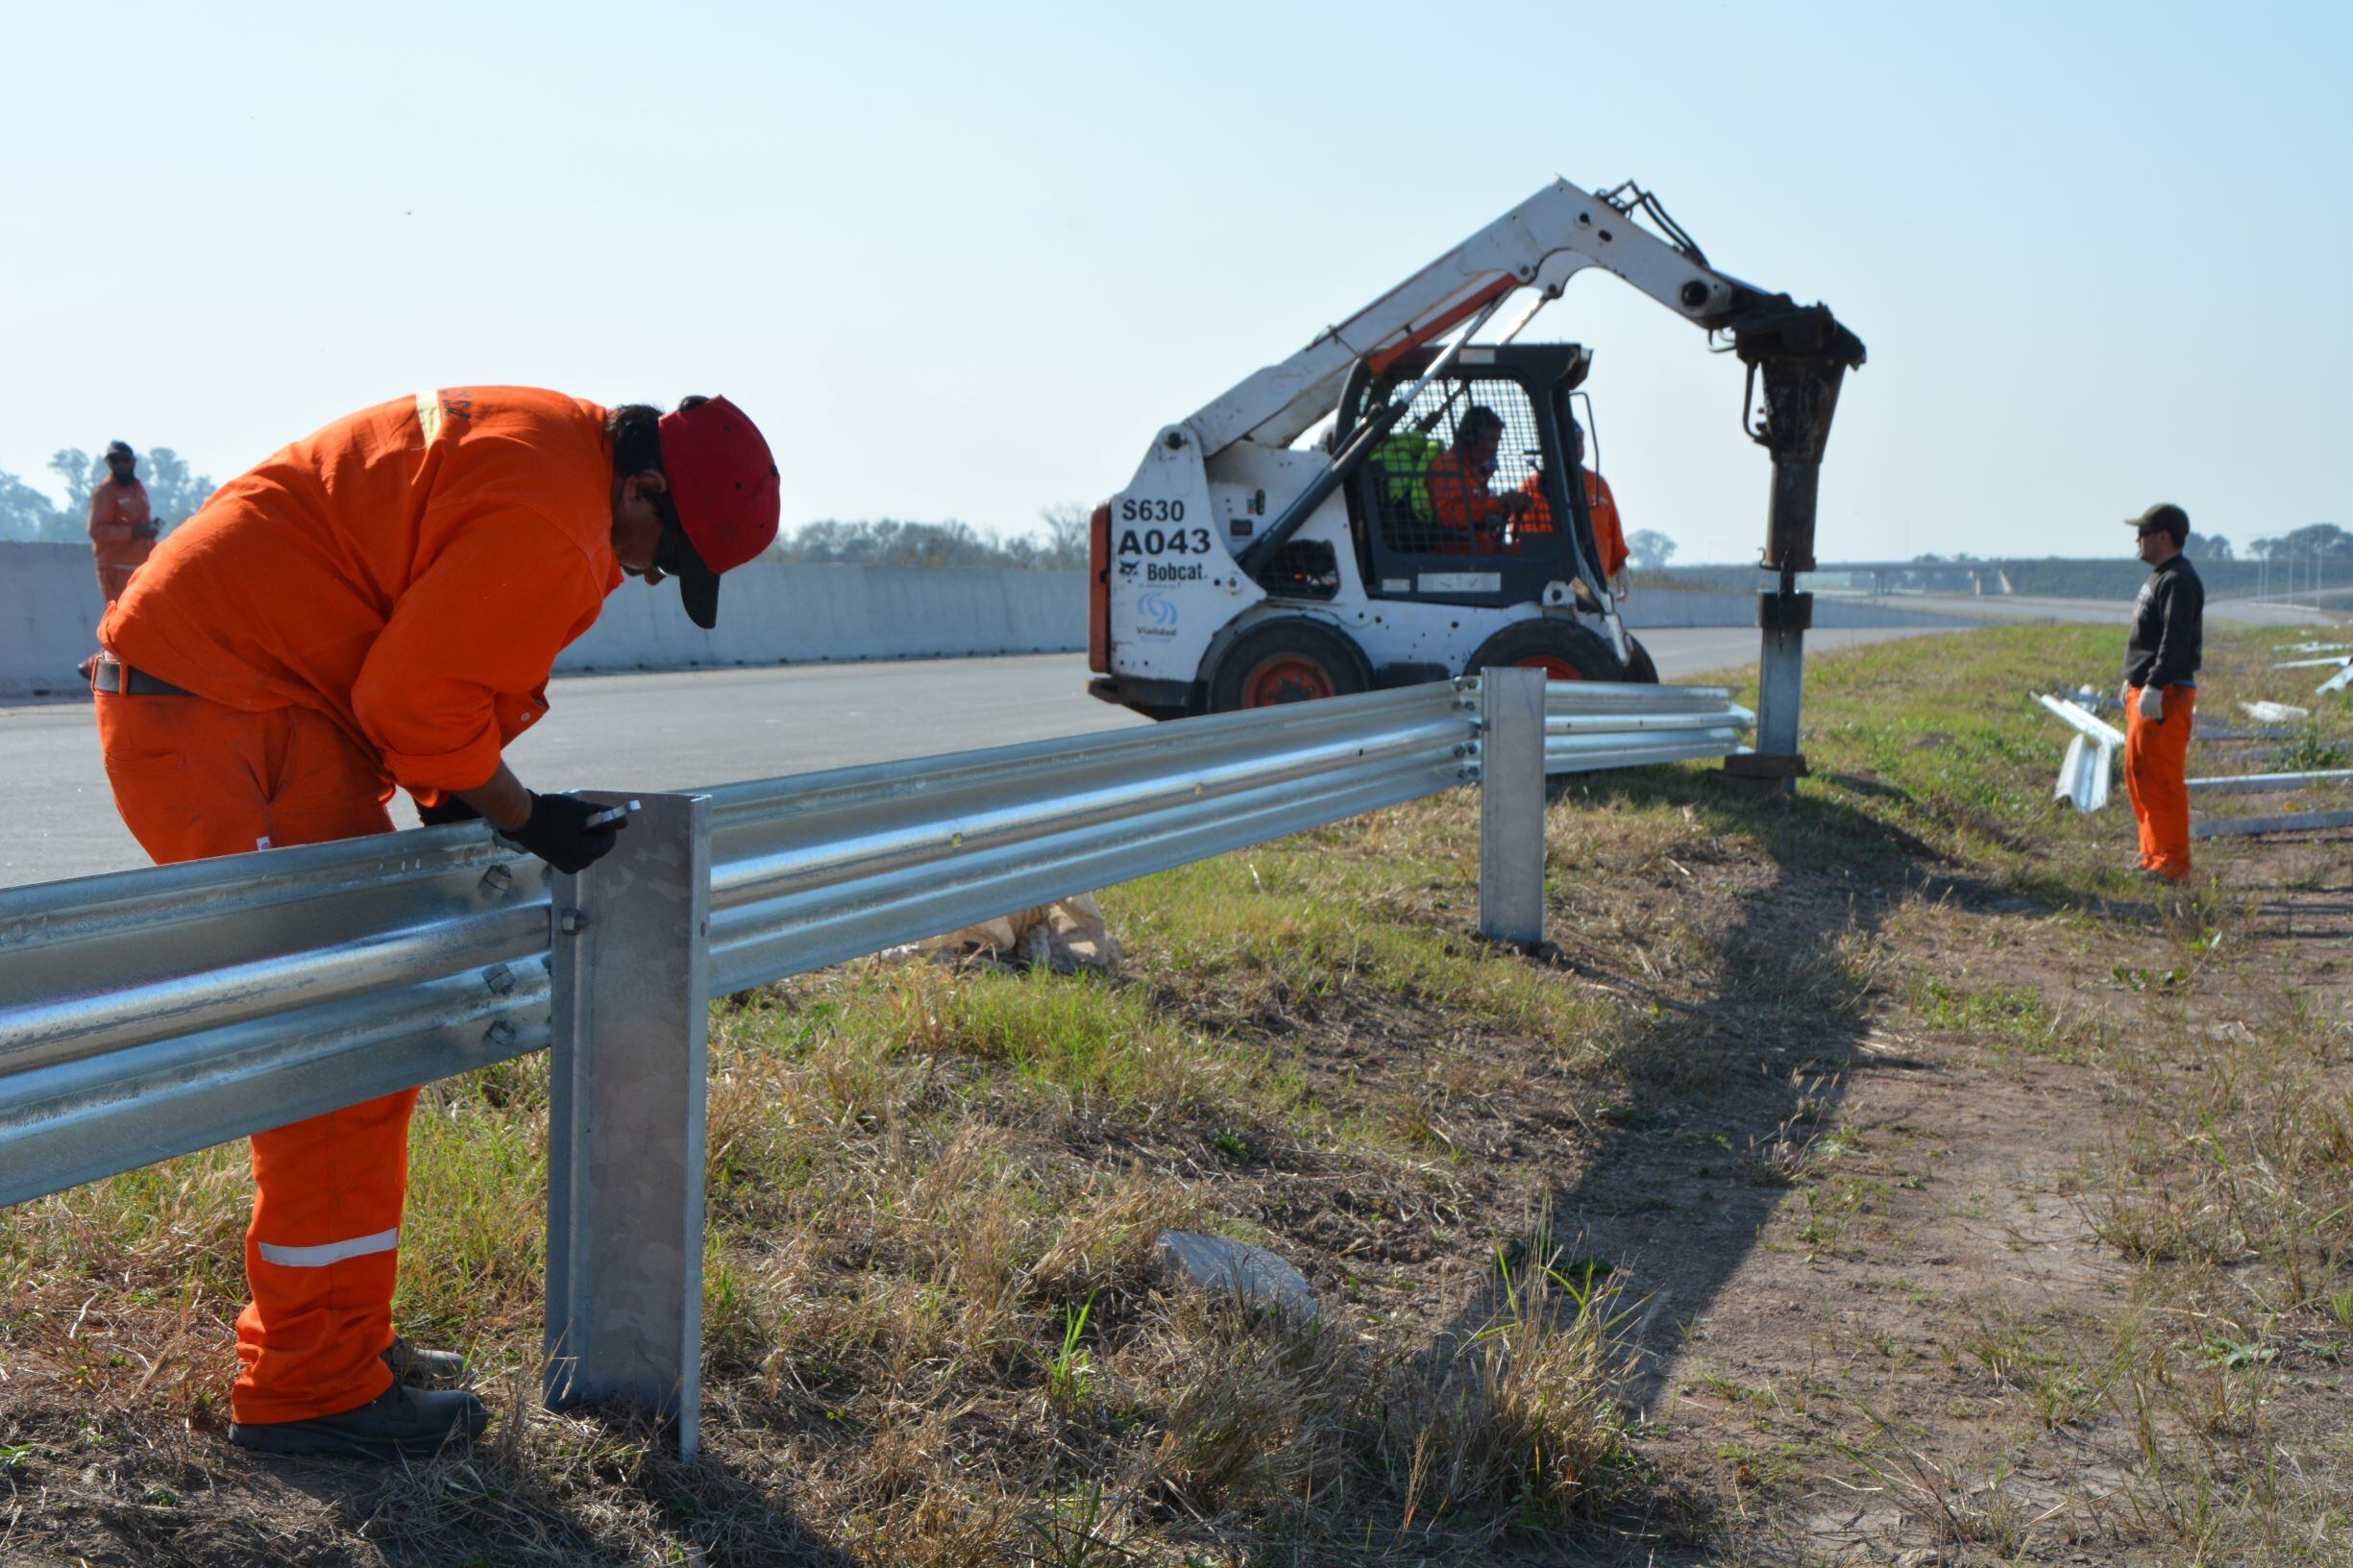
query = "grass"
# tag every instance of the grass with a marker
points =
(935, 1332)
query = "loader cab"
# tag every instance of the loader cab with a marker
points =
(1429, 523)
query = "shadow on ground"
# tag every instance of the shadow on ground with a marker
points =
(1725, 1091)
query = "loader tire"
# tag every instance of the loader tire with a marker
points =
(1562, 650)
(1286, 661)
(1638, 666)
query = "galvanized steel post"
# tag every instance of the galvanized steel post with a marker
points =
(631, 949)
(1778, 761)
(1511, 805)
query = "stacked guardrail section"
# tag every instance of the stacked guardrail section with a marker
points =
(1590, 725)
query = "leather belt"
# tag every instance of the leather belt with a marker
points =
(112, 676)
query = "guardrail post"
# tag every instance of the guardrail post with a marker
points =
(1511, 805)
(632, 962)
(1778, 762)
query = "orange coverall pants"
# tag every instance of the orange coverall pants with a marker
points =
(193, 779)
(114, 579)
(2156, 776)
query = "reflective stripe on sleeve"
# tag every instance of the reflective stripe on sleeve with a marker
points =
(331, 1252)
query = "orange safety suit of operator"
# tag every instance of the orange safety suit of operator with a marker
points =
(1609, 532)
(1466, 511)
(118, 513)
(378, 604)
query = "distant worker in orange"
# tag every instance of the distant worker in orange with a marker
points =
(378, 605)
(1469, 515)
(122, 533)
(2161, 663)
(1609, 532)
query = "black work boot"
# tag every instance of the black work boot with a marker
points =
(398, 1423)
(421, 1369)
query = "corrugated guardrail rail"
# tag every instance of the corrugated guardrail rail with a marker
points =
(151, 1013)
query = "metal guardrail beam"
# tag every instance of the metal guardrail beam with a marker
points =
(276, 985)
(2270, 783)
(809, 872)
(153, 1013)
(2295, 822)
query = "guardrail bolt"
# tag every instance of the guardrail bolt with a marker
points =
(501, 1035)
(1468, 748)
(498, 978)
(496, 880)
(571, 922)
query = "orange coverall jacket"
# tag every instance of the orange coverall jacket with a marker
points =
(116, 510)
(1464, 507)
(1609, 532)
(409, 572)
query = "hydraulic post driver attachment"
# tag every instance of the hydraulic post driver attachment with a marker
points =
(1802, 353)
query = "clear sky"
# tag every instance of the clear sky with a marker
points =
(964, 261)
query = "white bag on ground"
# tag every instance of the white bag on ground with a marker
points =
(1065, 935)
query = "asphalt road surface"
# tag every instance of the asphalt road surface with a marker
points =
(703, 726)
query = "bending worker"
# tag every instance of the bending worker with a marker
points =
(2160, 660)
(379, 604)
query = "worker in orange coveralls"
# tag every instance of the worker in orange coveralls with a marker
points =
(2161, 661)
(1468, 514)
(379, 604)
(1609, 532)
(122, 531)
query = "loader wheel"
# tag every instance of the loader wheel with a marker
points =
(1286, 661)
(1562, 650)
(1639, 667)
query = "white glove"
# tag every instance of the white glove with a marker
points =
(2152, 702)
(1618, 584)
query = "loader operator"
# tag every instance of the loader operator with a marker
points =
(2161, 661)
(1609, 531)
(1469, 516)
(378, 605)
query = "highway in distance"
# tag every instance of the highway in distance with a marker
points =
(694, 728)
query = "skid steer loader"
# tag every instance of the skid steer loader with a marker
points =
(1400, 502)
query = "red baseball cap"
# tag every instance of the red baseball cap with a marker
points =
(723, 484)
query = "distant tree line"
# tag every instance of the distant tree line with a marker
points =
(2315, 541)
(173, 492)
(1059, 541)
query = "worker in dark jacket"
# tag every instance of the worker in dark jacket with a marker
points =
(2160, 660)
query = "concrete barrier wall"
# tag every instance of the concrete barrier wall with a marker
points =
(769, 613)
(49, 608)
(775, 613)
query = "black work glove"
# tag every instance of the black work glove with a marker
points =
(448, 809)
(556, 832)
